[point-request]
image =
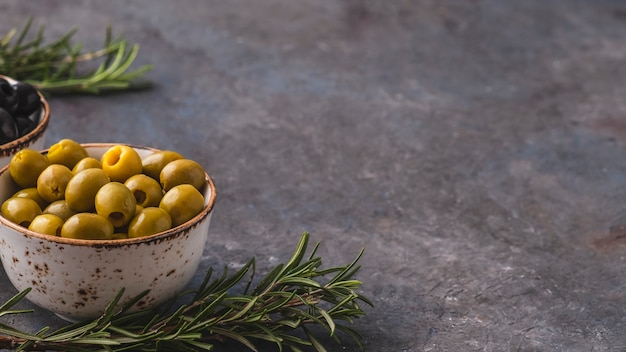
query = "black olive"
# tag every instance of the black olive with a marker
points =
(8, 96)
(24, 125)
(35, 116)
(8, 127)
(27, 99)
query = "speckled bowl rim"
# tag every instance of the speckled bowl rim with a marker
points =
(10, 148)
(157, 237)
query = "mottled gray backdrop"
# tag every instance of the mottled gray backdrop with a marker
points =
(475, 148)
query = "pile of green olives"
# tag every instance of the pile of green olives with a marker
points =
(69, 193)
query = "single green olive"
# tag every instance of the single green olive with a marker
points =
(87, 226)
(52, 182)
(119, 236)
(21, 211)
(87, 163)
(48, 224)
(155, 162)
(80, 193)
(182, 171)
(182, 202)
(121, 162)
(31, 192)
(147, 191)
(26, 165)
(60, 209)
(149, 221)
(66, 152)
(116, 203)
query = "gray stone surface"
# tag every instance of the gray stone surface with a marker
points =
(476, 149)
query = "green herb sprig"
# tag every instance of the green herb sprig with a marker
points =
(290, 298)
(61, 67)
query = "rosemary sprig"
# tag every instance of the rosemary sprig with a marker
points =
(61, 67)
(290, 298)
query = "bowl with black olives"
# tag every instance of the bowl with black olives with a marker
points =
(24, 117)
(81, 222)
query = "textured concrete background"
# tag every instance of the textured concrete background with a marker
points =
(475, 148)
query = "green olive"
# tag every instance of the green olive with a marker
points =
(147, 191)
(155, 162)
(60, 209)
(119, 236)
(26, 165)
(52, 181)
(66, 152)
(149, 221)
(182, 171)
(87, 163)
(31, 192)
(20, 210)
(121, 162)
(80, 193)
(87, 226)
(48, 224)
(182, 202)
(116, 203)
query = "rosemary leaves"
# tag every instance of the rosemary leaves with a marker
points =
(62, 67)
(290, 298)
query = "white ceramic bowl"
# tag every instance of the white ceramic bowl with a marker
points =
(34, 139)
(76, 279)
